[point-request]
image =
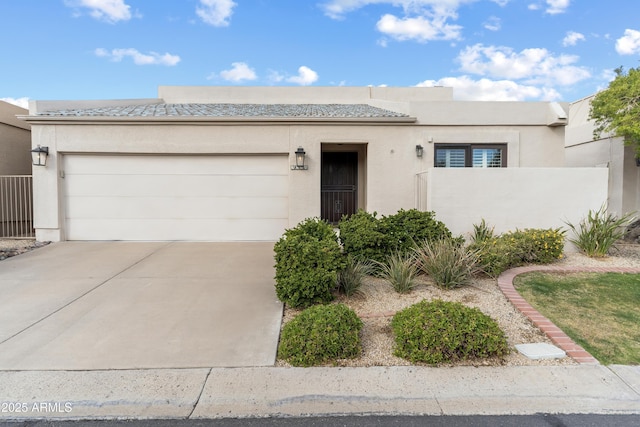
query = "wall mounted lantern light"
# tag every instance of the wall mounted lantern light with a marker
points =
(39, 155)
(300, 158)
(419, 150)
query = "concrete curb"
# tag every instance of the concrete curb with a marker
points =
(555, 334)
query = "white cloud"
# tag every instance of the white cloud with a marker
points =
(423, 20)
(609, 74)
(110, 11)
(275, 77)
(555, 7)
(336, 9)
(534, 66)
(533, 6)
(151, 58)
(20, 102)
(240, 71)
(419, 28)
(305, 77)
(628, 44)
(467, 89)
(501, 3)
(493, 23)
(216, 12)
(572, 38)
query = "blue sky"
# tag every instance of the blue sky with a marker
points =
(520, 50)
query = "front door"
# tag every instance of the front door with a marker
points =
(339, 180)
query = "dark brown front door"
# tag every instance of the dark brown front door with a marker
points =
(339, 185)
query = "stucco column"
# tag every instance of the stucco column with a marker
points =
(46, 197)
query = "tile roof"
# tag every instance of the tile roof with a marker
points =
(297, 111)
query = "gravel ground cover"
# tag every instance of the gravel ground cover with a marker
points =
(379, 302)
(13, 247)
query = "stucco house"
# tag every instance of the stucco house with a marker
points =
(15, 141)
(606, 152)
(244, 163)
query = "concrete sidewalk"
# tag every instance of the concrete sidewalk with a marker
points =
(269, 391)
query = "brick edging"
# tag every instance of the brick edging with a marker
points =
(555, 334)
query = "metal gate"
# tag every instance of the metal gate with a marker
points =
(339, 190)
(338, 200)
(16, 206)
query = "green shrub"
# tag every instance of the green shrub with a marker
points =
(313, 227)
(441, 332)
(364, 236)
(400, 270)
(598, 231)
(538, 246)
(321, 334)
(351, 276)
(308, 258)
(448, 263)
(497, 255)
(529, 246)
(407, 228)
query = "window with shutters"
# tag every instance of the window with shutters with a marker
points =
(470, 155)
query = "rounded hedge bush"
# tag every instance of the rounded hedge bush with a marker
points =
(367, 237)
(441, 332)
(364, 236)
(321, 334)
(408, 228)
(308, 258)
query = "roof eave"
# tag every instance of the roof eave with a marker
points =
(214, 120)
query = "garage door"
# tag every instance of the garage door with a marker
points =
(207, 198)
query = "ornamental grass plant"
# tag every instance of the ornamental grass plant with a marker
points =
(351, 277)
(400, 271)
(448, 263)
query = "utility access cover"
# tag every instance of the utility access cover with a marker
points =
(537, 351)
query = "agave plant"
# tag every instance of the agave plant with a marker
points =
(598, 231)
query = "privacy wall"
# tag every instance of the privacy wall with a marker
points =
(512, 198)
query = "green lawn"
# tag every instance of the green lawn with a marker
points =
(601, 312)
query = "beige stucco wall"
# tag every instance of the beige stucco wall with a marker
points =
(533, 132)
(514, 197)
(606, 152)
(15, 141)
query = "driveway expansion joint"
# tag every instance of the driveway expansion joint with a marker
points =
(555, 334)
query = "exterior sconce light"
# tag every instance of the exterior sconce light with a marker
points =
(419, 150)
(39, 156)
(300, 157)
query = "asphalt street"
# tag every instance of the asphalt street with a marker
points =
(539, 420)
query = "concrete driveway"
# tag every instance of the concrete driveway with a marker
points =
(127, 305)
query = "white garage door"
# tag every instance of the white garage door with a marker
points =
(207, 198)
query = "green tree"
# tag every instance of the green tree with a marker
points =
(616, 110)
